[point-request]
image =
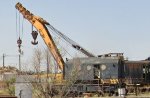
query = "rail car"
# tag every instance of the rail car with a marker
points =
(137, 72)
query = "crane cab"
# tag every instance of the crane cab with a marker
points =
(92, 72)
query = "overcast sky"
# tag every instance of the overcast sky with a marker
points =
(100, 26)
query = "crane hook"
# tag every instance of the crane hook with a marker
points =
(34, 35)
(19, 42)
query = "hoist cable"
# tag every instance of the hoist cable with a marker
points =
(73, 43)
(19, 25)
(62, 35)
(60, 44)
(31, 28)
(16, 25)
(22, 32)
(66, 41)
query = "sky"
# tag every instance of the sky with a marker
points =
(100, 26)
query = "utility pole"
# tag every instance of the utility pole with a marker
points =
(3, 60)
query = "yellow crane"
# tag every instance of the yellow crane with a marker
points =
(92, 66)
(40, 24)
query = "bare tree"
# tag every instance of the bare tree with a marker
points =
(71, 79)
(37, 59)
(50, 83)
